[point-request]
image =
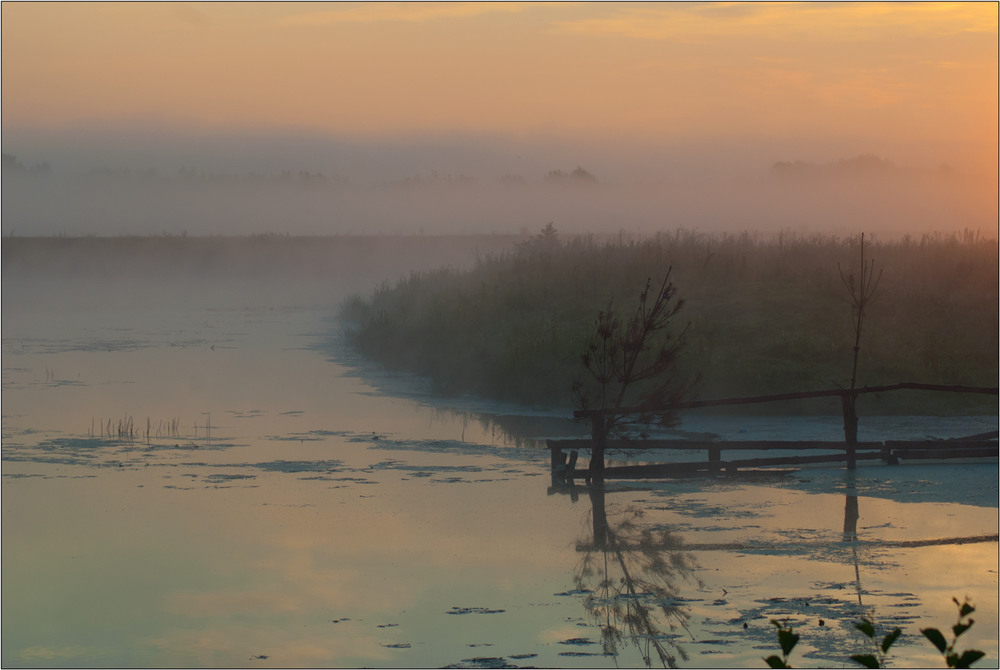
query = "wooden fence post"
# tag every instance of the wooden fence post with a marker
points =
(715, 456)
(599, 517)
(847, 400)
(599, 438)
(558, 463)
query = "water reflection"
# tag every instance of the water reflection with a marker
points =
(638, 581)
(633, 576)
(851, 515)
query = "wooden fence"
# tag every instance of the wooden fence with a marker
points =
(564, 453)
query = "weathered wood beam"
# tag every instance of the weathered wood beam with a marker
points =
(799, 460)
(940, 445)
(916, 386)
(970, 452)
(658, 470)
(744, 546)
(990, 435)
(710, 445)
(890, 450)
(801, 395)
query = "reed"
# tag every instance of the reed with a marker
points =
(124, 429)
(767, 314)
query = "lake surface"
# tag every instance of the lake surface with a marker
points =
(197, 473)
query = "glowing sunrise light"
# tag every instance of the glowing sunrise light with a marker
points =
(903, 70)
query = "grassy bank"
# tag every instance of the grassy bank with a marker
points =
(766, 314)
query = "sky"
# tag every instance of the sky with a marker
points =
(383, 91)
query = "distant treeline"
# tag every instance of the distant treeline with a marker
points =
(766, 314)
(14, 168)
(258, 256)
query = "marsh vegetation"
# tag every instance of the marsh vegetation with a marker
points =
(767, 314)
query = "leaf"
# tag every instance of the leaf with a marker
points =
(935, 636)
(960, 628)
(787, 639)
(775, 662)
(866, 627)
(969, 657)
(966, 610)
(866, 660)
(890, 638)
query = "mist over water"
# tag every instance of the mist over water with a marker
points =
(283, 504)
(135, 181)
(204, 204)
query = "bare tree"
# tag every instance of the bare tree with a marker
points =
(628, 362)
(862, 291)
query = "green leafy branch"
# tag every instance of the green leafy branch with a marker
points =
(951, 656)
(876, 660)
(787, 639)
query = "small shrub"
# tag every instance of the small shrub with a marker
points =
(952, 657)
(876, 660)
(787, 639)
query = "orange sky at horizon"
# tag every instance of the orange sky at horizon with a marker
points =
(899, 71)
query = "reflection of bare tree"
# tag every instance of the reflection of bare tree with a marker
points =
(632, 575)
(851, 515)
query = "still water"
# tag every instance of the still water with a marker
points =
(197, 473)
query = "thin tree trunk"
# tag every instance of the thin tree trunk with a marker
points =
(599, 437)
(847, 401)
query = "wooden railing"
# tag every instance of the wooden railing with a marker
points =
(850, 450)
(564, 454)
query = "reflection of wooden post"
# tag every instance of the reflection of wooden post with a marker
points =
(599, 437)
(715, 456)
(851, 516)
(851, 511)
(600, 517)
(847, 400)
(558, 463)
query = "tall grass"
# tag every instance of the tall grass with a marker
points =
(767, 315)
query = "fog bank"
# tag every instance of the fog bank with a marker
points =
(149, 182)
